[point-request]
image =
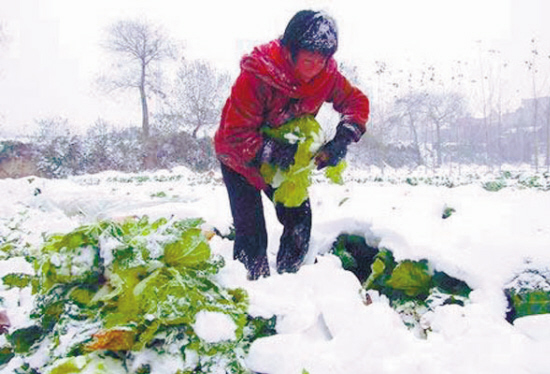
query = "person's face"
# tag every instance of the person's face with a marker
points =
(309, 64)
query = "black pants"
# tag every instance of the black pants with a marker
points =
(250, 232)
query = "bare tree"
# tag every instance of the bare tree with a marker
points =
(499, 102)
(139, 45)
(485, 98)
(532, 66)
(548, 133)
(411, 109)
(52, 127)
(199, 95)
(443, 110)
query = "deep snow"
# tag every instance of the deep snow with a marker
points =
(323, 322)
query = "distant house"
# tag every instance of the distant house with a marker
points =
(527, 126)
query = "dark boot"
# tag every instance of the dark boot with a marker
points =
(294, 242)
(256, 267)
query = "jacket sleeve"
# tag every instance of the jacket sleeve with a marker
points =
(352, 104)
(238, 139)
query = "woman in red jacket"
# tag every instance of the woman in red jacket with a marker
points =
(280, 81)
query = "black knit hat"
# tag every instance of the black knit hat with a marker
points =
(311, 31)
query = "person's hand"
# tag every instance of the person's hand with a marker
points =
(279, 153)
(335, 150)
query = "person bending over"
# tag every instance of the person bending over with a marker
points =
(285, 79)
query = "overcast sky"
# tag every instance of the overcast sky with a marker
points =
(53, 55)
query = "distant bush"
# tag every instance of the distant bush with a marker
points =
(494, 186)
(17, 159)
(371, 151)
(121, 150)
(126, 151)
(60, 154)
(182, 148)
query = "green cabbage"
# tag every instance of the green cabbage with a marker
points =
(106, 291)
(291, 184)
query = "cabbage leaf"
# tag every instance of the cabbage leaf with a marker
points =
(291, 184)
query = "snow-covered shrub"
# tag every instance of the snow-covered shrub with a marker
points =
(181, 148)
(121, 150)
(60, 156)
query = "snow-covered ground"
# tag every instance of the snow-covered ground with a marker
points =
(323, 324)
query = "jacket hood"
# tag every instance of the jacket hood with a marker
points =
(272, 63)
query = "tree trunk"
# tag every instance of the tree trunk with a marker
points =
(548, 142)
(438, 143)
(535, 135)
(499, 141)
(196, 130)
(144, 108)
(420, 160)
(150, 156)
(548, 135)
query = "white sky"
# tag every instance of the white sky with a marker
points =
(53, 57)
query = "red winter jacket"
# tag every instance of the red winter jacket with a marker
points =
(267, 93)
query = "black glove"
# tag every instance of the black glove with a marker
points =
(277, 152)
(335, 150)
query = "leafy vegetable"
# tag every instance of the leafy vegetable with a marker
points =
(528, 302)
(381, 270)
(190, 249)
(356, 255)
(106, 291)
(6, 354)
(447, 212)
(91, 363)
(112, 340)
(23, 339)
(334, 173)
(528, 293)
(450, 285)
(17, 280)
(412, 287)
(494, 186)
(291, 184)
(412, 278)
